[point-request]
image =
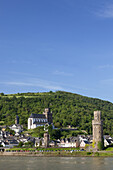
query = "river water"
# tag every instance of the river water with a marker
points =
(55, 163)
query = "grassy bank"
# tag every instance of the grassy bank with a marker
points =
(51, 154)
(58, 154)
(108, 152)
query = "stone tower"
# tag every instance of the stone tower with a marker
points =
(97, 125)
(17, 120)
(46, 139)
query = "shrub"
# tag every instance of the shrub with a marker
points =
(89, 153)
(96, 154)
(100, 145)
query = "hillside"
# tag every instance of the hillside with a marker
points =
(68, 109)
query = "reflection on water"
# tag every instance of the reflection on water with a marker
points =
(55, 163)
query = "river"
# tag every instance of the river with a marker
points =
(55, 163)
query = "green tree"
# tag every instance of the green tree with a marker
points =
(20, 144)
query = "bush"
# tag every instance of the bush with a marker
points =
(96, 154)
(89, 153)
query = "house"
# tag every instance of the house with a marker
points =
(69, 142)
(82, 137)
(7, 134)
(17, 128)
(9, 144)
(52, 143)
(26, 139)
(4, 134)
(5, 144)
(39, 142)
(90, 138)
(107, 142)
(36, 120)
(83, 143)
(11, 141)
(3, 128)
(75, 142)
(1, 133)
(1, 148)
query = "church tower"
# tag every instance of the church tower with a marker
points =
(17, 120)
(48, 115)
(97, 125)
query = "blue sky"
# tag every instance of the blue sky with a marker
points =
(57, 45)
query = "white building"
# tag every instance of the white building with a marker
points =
(16, 128)
(36, 120)
(69, 142)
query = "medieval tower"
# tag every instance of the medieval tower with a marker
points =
(17, 120)
(97, 125)
(46, 139)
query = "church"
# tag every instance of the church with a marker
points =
(36, 120)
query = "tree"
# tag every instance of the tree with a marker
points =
(20, 144)
(29, 144)
(10, 130)
(2, 94)
(55, 134)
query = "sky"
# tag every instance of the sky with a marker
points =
(51, 45)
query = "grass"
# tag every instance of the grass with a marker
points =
(27, 95)
(105, 154)
(109, 149)
(61, 152)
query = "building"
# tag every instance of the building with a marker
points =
(17, 120)
(69, 142)
(36, 120)
(17, 128)
(97, 125)
(84, 143)
(46, 139)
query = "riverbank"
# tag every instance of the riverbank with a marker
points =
(60, 154)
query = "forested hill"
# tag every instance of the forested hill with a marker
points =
(68, 109)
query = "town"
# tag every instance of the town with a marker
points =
(14, 137)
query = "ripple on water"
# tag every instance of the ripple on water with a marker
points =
(55, 163)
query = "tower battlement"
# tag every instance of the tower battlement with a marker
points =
(97, 115)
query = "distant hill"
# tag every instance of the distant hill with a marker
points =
(68, 109)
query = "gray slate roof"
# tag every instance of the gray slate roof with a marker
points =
(33, 115)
